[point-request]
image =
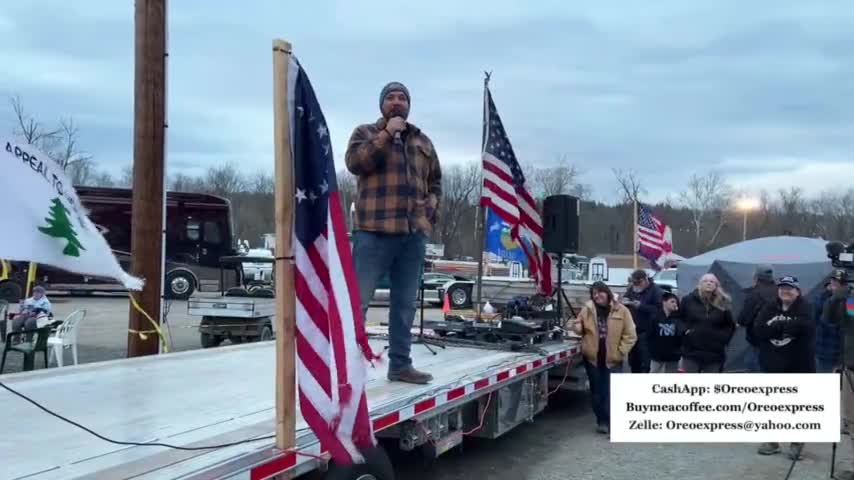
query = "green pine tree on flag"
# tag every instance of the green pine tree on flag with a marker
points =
(59, 226)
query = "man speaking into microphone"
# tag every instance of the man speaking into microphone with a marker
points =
(399, 187)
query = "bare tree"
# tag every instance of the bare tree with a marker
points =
(707, 198)
(126, 179)
(629, 184)
(224, 180)
(459, 190)
(182, 182)
(103, 179)
(32, 130)
(60, 144)
(261, 182)
(793, 209)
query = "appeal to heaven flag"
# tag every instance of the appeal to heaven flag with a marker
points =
(45, 221)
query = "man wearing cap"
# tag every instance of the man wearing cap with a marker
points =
(399, 188)
(785, 332)
(643, 298)
(763, 292)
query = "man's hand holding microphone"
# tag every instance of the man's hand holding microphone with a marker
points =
(394, 126)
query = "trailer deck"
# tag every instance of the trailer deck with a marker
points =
(214, 396)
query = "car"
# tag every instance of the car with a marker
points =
(666, 279)
(433, 281)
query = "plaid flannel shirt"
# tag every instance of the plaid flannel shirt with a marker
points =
(398, 193)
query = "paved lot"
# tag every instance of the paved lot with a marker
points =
(561, 444)
(103, 332)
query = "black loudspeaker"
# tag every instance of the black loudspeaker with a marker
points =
(560, 224)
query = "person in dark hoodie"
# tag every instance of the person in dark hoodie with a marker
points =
(665, 336)
(763, 292)
(643, 299)
(786, 334)
(709, 327)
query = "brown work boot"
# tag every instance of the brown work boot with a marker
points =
(410, 375)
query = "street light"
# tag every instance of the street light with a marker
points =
(746, 204)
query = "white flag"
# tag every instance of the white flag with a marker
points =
(44, 221)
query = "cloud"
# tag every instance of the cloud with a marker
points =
(668, 89)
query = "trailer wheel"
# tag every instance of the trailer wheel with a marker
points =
(180, 285)
(266, 333)
(459, 296)
(210, 341)
(11, 291)
(377, 466)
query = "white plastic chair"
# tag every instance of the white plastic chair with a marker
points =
(66, 336)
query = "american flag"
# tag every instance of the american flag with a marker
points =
(332, 346)
(505, 192)
(655, 241)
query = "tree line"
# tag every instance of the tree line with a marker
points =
(702, 216)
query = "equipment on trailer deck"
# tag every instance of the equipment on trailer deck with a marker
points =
(241, 313)
(221, 396)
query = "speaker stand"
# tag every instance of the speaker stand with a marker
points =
(559, 294)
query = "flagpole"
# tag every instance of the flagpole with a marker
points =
(635, 233)
(483, 210)
(148, 173)
(284, 213)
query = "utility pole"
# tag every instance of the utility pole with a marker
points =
(148, 170)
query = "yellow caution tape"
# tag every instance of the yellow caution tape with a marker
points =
(143, 333)
(31, 278)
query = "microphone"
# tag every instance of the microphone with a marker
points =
(397, 139)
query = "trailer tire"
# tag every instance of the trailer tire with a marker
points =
(210, 341)
(377, 466)
(180, 285)
(11, 291)
(266, 333)
(460, 296)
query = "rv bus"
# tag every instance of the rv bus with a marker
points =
(198, 232)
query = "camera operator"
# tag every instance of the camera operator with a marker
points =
(833, 312)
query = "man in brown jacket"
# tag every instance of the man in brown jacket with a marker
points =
(607, 335)
(399, 187)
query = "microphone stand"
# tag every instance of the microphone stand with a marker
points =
(421, 340)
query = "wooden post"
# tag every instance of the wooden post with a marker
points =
(284, 215)
(635, 233)
(148, 170)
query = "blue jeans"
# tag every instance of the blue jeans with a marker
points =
(751, 359)
(402, 258)
(600, 390)
(639, 358)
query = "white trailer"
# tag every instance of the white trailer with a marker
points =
(224, 395)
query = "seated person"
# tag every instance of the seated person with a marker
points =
(30, 310)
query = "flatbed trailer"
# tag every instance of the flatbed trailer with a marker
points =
(223, 395)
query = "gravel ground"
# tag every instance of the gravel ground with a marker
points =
(563, 445)
(560, 445)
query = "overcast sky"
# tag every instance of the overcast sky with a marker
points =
(761, 90)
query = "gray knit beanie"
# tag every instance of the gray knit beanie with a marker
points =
(394, 87)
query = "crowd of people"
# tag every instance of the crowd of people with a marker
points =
(654, 331)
